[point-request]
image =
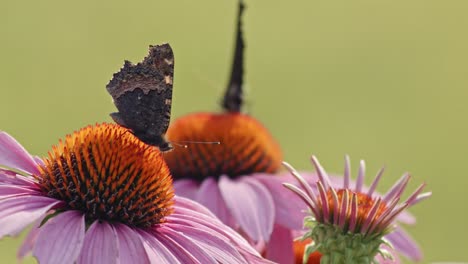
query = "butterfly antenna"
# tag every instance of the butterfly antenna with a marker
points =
(183, 144)
(179, 145)
(233, 97)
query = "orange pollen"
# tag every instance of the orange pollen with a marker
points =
(108, 174)
(299, 249)
(364, 204)
(245, 147)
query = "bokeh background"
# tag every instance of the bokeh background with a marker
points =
(382, 80)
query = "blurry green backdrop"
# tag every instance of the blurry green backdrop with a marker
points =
(382, 80)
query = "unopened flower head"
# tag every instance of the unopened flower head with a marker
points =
(347, 223)
(103, 196)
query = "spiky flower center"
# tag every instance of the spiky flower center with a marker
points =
(245, 147)
(365, 204)
(108, 174)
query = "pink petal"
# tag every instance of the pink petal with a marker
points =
(280, 248)
(404, 244)
(216, 246)
(209, 195)
(100, 245)
(251, 205)
(13, 155)
(195, 219)
(289, 207)
(406, 217)
(158, 253)
(60, 239)
(131, 248)
(184, 203)
(186, 188)
(18, 212)
(12, 178)
(184, 248)
(8, 191)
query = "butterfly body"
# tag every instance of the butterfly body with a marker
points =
(143, 95)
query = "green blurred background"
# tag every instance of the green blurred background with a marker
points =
(382, 80)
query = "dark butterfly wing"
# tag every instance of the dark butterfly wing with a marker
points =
(143, 93)
(233, 97)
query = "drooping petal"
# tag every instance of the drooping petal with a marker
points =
(131, 248)
(100, 245)
(186, 188)
(404, 244)
(289, 207)
(201, 220)
(186, 250)
(158, 253)
(9, 191)
(210, 196)
(13, 155)
(251, 205)
(280, 248)
(19, 212)
(187, 204)
(60, 239)
(11, 177)
(213, 244)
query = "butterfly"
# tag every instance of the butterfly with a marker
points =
(142, 93)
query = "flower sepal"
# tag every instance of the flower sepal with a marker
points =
(337, 246)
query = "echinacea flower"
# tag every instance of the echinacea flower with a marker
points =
(103, 196)
(349, 224)
(237, 179)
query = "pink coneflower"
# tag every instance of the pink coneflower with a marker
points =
(349, 224)
(237, 179)
(102, 196)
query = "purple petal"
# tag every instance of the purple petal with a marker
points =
(375, 182)
(215, 245)
(322, 174)
(131, 248)
(208, 223)
(158, 253)
(210, 196)
(100, 245)
(18, 212)
(289, 207)
(251, 205)
(406, 217)
(12, 178)
(60, 240)
(185, 252)
(13, 155)
(361, 174)
(347, 173)
(184, 203)
(404, 244)
(186, 188)
(8, 191)
(280, 248)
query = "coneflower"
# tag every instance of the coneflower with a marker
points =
(352, 224)
(237, 179)
(103, 196)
